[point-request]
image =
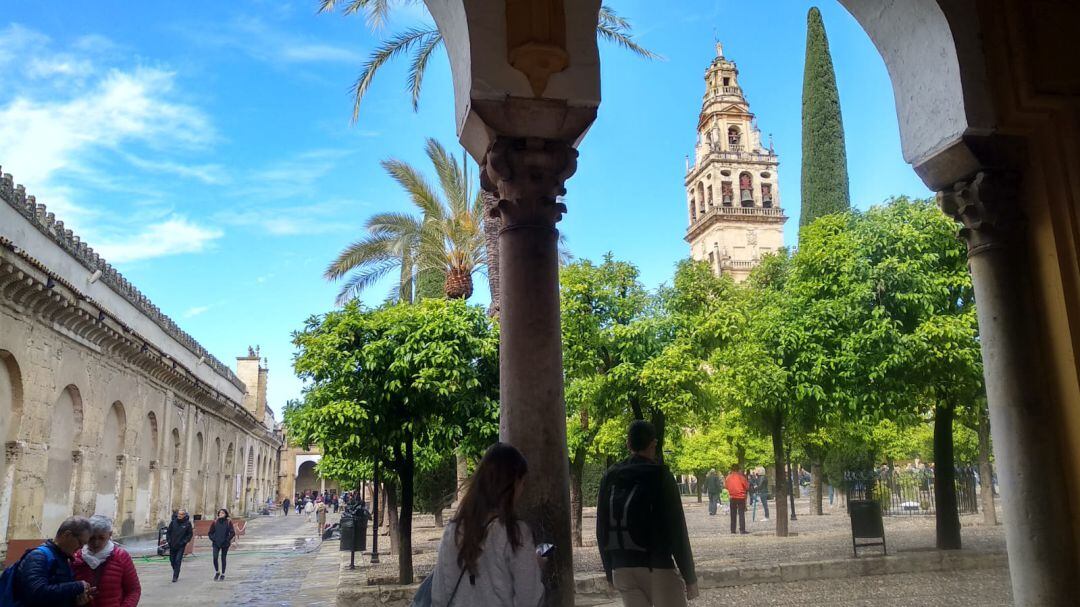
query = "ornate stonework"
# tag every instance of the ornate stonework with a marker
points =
(732, 187)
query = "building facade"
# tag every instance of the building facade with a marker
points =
(732, 187)
(106, 405)
(299, 471)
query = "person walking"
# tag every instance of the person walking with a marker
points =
(712, 487)
(737, 486)
(285, 506)
(320, 515)
(487, 556)
(43, 577)
(759, 492)
(106, 566)
(309, 509)
(177, 536)
(221, 536)
(641, 528)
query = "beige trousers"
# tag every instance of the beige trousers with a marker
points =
(641, 587)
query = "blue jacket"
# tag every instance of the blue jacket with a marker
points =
(41, 584)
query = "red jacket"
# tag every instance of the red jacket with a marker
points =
(118, 584)
(736, 485)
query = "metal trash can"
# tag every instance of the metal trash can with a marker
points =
(347, 525)
(866, 523)
(162, 542)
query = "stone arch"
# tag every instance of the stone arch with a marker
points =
(147, 455)
(175, 457)
(200, 475)
(11, 408)
(229, 477)
(307, 479)
(109, 479)
(746, 189)
(62, 470)
(734, 138)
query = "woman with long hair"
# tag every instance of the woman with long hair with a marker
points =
(221, 536)
(487, 556)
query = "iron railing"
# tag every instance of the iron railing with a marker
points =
(909, 492)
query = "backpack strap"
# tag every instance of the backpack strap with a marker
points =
(454, 593)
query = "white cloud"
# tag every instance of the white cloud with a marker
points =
(195, 311)
(212, 174)
(317, 218)
(260, 40)
(173, 236)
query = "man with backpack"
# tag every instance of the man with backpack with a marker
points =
(641, 530)
(43, 577)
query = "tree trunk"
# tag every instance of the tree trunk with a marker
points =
(462, 476)
(948, 518)
(792, 484)
(986, 470)
(700, 476)
(492, 226)
(815, 486)
(577, 471)
(658, 422)
(405, 566)
(780, 490)
(392, 517)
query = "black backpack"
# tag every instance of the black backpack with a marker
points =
(634, 507)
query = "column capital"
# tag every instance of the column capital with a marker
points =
(121, 459)
(14, 449)
(528, 174)
(988, 207)
(77, 456)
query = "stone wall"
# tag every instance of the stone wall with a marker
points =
(106, 405)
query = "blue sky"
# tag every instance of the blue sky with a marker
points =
(205, 148)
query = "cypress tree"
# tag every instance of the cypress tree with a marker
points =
(824, 159)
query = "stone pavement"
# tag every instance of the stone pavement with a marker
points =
(279, 562)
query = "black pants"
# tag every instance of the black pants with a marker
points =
(176, 556)
(286, 509)
(224, 555)
(738, 509)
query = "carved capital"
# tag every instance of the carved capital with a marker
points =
(154, 465)
(121, 460)
(14, 449)
(528, 175)
(988, 206)
(77, 456)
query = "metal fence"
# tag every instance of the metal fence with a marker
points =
(909, 492)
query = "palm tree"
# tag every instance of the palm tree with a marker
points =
(421, 42)
(445, 240)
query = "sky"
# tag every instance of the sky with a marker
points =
(206, 148)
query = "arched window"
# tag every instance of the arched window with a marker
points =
(693, 209)
(746, 189)
(726, 193)
(734, 138)
(766, 195)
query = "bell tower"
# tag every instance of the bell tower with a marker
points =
(731, 185)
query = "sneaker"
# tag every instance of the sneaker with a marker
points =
(174, 578)
(766, 519)
(222, 577)
(216, 576)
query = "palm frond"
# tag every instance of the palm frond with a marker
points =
(618, 30)
(400, 224)
(374, 249)
(396, 45)
(451, 176)
(420, 191)
(419, 65)
(364, 278)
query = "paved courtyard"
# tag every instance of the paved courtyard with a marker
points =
(278, 562)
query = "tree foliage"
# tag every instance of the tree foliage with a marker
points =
(395, 385)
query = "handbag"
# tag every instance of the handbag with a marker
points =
(422, 598)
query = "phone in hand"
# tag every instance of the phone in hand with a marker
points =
(545, 550)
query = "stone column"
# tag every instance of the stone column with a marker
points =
(528, 176)
(1021, 419)
(153, 502)
(77, 458)
(12, 451)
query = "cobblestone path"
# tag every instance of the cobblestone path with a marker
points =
(278, 562)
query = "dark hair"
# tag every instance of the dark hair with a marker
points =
(489, 495)
(640, 434)
(75, 525)
(223, 510)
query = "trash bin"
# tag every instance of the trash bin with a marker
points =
(162, 543)
(866, 523)
(347, 525)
